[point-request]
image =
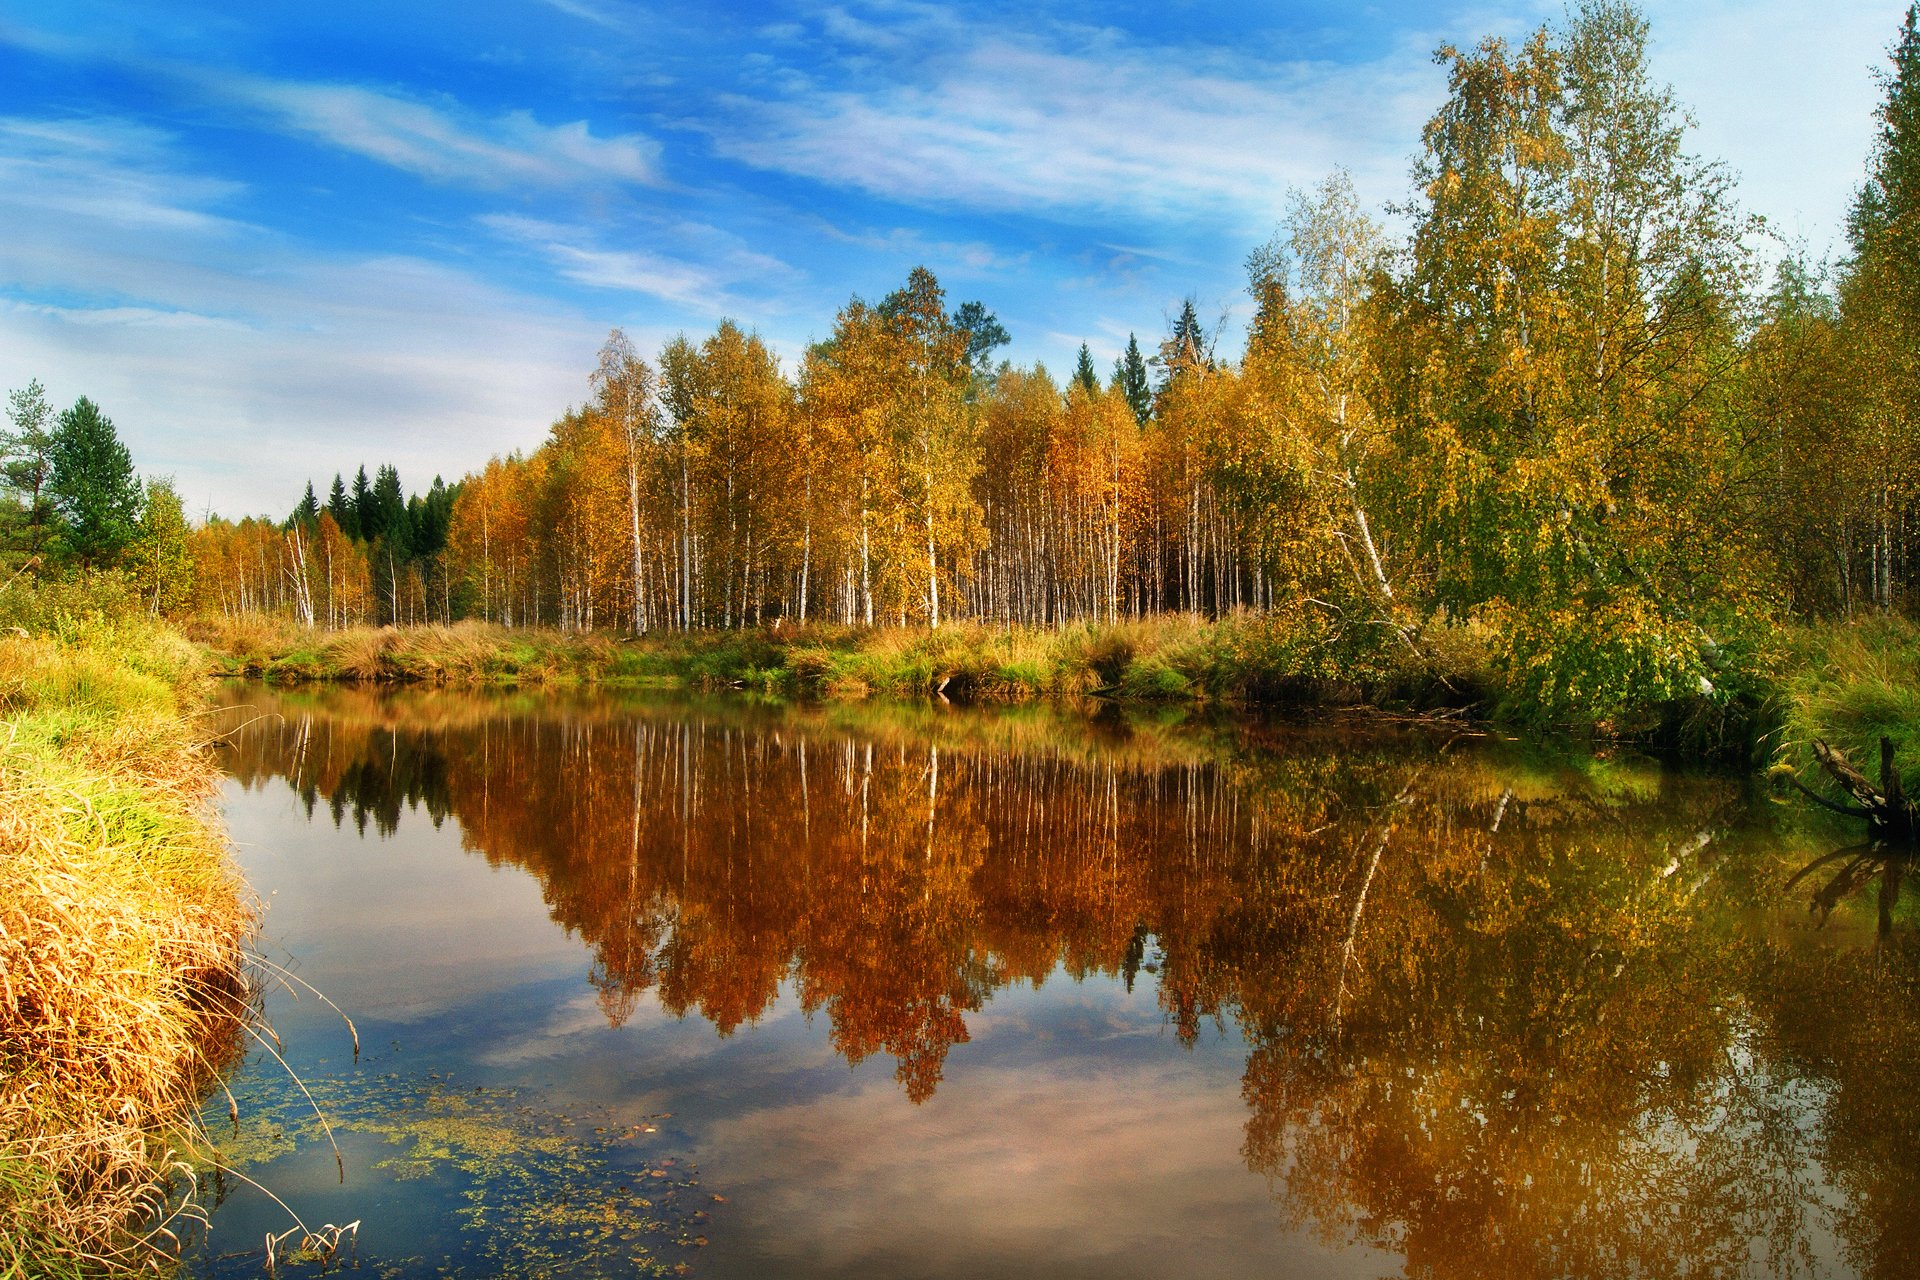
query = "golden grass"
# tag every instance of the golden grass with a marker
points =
(122, 994)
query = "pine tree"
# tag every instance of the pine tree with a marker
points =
(1185, 347)
(1880, 300)
(984, 332)
(1888, 203)
(389, 508)
(92, 485)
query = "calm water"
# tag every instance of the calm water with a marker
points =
(658, 987)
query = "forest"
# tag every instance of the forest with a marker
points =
(1578, 406)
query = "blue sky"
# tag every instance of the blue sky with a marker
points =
(278, 240)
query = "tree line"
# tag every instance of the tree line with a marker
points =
(1562, 407)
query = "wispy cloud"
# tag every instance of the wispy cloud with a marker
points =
(446, 143)
(204, 336)
(704, 282)
(593, 13)
(1072, 119)
(107, 170)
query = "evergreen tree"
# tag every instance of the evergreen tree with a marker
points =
(307, 514)
(1083, 372)
(340, 507)
(389, 510)
(1185, 347)
(1131, 373)
(92, 485)
(365, 524)
(1880, 302)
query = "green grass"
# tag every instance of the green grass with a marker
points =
(1850, 685)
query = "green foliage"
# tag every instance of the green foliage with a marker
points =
(92, 485)
(1614, 665)
(26, 463)
(159, 559)
(1853, 684)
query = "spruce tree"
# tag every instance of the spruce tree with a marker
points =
(340, 507)
(92, 486)
(1885, 208)
(1134, 385)
(307, 514)
(1083, 372)
(366, 523)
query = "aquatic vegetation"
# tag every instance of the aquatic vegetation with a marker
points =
(531, 1191)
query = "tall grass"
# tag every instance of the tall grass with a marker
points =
(122, 995)
(1853, 684)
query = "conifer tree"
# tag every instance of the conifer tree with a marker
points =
(92, 485)
(1880, 300)
(1131, 372)
(307, 513)
(340, 507)
(1083, 372)
(365, 524)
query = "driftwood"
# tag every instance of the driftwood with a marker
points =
(1891, 817)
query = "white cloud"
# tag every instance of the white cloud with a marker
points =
(243, 363)
(1087, 121)
(449, 145)
(588, 13)
(105, 170)
(701, 279)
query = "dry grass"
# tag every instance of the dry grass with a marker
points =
(1168, 658)
(122, 994)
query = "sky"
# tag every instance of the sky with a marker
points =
(275, 241)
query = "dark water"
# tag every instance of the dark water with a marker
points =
(650, 987)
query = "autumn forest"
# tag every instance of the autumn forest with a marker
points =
(1566, 396)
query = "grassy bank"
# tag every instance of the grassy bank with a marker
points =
(121, 990)
(1850, 685)
(1241, 660)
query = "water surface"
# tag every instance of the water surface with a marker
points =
(710, 987)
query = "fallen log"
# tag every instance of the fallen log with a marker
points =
(1891, 817)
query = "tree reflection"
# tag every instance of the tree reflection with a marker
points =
(1504, 1018)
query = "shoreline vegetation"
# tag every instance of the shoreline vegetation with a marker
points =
(126, 994)
(1846, 682)
(123, 988)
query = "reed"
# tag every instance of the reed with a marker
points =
(122, 987)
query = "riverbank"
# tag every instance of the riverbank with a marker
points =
(122, 995)
(1286, 660)
(1242, 660)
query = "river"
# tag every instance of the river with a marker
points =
(657, 985)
